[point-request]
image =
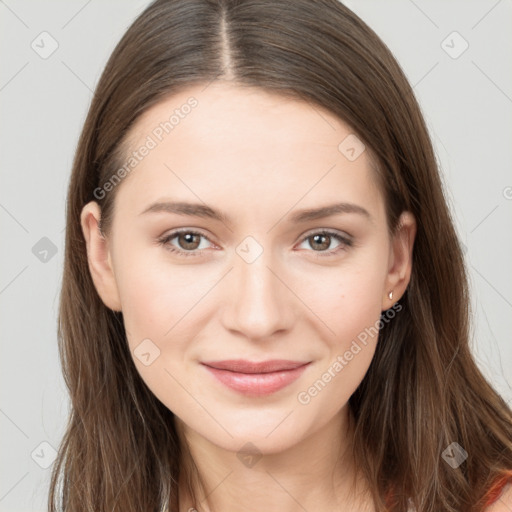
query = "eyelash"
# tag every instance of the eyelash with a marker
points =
(164, 241)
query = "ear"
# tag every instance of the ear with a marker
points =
(400, 260)
(98, 256)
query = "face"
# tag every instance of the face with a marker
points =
(245, 269)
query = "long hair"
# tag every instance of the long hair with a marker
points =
(422, 391)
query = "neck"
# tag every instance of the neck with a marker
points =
(318, 473)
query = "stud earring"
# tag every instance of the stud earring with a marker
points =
(390, 295)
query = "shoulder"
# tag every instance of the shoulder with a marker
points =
(503, 502)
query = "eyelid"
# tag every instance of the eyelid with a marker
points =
(328, 231)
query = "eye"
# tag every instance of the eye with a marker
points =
(322, 240)
(189, 242)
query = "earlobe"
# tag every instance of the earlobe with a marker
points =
(400, 258)
(99, 257)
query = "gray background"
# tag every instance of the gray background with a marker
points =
(467, 103)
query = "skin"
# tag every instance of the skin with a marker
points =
(259, 158)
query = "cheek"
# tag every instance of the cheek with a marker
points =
(163, 303)
(152, 290)
(346, 300)
(347, 305)
(158, 302)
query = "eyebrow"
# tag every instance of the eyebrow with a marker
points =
(202, 210)
(327, 211)
(184, 208)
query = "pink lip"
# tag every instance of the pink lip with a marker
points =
(256, 379)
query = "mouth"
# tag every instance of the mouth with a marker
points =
(256, 378)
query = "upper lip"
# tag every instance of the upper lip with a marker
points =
(244, 366)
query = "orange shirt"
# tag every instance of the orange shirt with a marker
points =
(491, 496)
(495, 490)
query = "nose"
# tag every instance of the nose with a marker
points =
(259, 304)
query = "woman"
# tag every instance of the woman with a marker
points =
(264, 302)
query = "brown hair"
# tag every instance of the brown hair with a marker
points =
(422, 391)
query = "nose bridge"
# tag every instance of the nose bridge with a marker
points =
(259, 303)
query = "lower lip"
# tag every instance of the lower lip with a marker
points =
(257, 384)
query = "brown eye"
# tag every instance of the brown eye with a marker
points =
(184, 242)
(320, 242)
(189, 240)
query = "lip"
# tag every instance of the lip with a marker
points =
(244, 366)
(256, 378)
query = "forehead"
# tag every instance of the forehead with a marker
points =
(223, 113)
(249, 145)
